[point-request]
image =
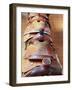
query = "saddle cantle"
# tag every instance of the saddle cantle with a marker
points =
(39, 47)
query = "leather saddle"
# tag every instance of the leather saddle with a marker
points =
(39, 32)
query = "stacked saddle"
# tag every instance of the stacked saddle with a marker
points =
(39, 46)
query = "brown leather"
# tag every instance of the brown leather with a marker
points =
(40, 38)
(44, 70)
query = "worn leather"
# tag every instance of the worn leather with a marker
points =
(38, 35)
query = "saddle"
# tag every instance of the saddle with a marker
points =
(37, 36)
